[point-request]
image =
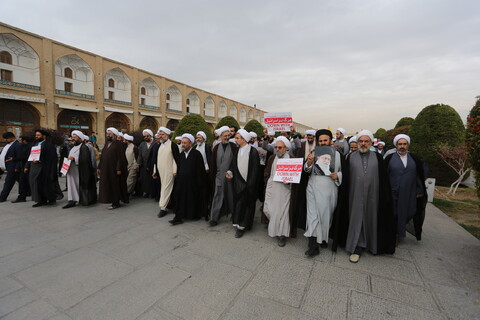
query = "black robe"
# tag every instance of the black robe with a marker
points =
(113, 187)
(87, 177)
(152, 160)
(206, 190)
(419, 216)
(190, 180)
(386, 226)
(245, 192)
(298, 202)
(43, 174)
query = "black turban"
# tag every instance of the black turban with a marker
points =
(43, 132)
(322, 132)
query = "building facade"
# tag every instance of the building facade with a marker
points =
(48, 84)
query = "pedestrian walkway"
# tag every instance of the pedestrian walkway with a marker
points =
(91, 263)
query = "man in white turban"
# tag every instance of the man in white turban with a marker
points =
(165, 168)
(189, 183)
(341, 143)
(243, 174)
(131, 153)
(371, 224)
(381, 148)
(203, 148)
(222, 155)
(81, 177)
(145, 175)
(277, 206)
(407, 180)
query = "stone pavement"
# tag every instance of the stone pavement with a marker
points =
(91, 263)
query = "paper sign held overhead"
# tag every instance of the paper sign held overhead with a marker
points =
(278, 121)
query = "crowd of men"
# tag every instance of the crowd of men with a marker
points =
(353, 192)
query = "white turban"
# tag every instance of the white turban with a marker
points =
(222, 130)
(401, 136)
(202, 134)
(285, 141)
(178, 138)
(87, 138)
(365, 133)
(310, 132)
(120, 134)
(150, 132)
(245, 135)
(114, 131)
(128, 137)
(352, 139)
(166, 130)
(343, 131)
(188, 136)
(253, 134)
(381, 142)
(79, 134)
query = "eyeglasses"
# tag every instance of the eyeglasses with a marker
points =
(279, 147)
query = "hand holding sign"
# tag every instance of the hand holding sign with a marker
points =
(288, 170)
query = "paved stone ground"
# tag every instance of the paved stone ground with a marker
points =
(91, 263)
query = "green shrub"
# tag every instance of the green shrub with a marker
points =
(380, 133)
(405, 121)
(192, 123)
(437, 124)
(255, 126)
(473, 141)
(228, 121)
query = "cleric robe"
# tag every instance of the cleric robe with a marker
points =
(166, 167)
(81, 176)
(131, 154)
(190, 180)
(368, 217)
(406, 183)
(245, 186)
(222, 202)
(145, 175)
(322, 193)
(113, 187)
(276, 206)
(43, 176)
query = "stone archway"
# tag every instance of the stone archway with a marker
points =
(118, 121)
(172, 124)
(68, 120)
(19, 117)
(148, 123)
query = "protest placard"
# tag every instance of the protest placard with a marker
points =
(278, 121)
(35, 154)
(289, 170)
(65, 166)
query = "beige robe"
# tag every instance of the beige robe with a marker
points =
(166, 167)
(131, 167)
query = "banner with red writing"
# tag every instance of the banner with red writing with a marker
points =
(35, 153)
(288, 170)
(278, 121)
(65, 166)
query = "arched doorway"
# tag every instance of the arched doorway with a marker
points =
(148, 123)
(118, 121)
(18, 117)
(172, 124)
(68, 120)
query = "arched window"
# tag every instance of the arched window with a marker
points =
(111, 83)
(142, 90)
(188, 101)
(168, 96)
(68, 73)
(5, 57)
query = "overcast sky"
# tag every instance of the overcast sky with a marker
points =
(352, 64)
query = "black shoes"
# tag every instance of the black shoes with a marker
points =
(19, 200)
(311, 252)
(175, 222)
(282, 241)
(239, 233)
(39, 204)
(114, 206)
(51, 202)
(212, 223)
(324, 245)
(70, 204)
(162, 213)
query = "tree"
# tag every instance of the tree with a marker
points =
(437, 125)
(380, 133)
(457, 159)
(473, 141)
(405, 121)
(390, 135)
(228, 121)
(192, 123)
(255, 126)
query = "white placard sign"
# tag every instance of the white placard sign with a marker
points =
(65, 166)
(35, 153)
(278, 121)
(288, 170)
